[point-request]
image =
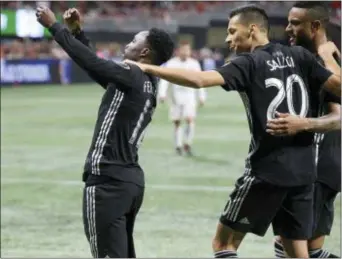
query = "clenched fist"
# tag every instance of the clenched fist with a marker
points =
(45, 17)
(72, 18)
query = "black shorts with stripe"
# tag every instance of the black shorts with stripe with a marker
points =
(323, 208)
(255, 204)
(110, 208)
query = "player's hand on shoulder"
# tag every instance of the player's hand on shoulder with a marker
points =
(328, 49)
(72, 18)
(140, 65)
(286, 125)
(45, 16)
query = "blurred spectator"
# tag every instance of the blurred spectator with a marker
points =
(208, 62)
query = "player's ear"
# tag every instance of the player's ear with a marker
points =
(252, 29)
(316, 25)
(145, 52)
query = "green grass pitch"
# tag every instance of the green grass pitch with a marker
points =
(45, 135)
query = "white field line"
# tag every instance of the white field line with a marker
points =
(167, 187)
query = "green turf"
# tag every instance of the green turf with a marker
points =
(45, 135)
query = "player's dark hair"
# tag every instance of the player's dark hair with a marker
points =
(316, 10)
(161, 44)
(251, 14)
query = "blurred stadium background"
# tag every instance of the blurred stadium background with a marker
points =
(48, 111)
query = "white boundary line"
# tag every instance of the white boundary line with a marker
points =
(166, 187)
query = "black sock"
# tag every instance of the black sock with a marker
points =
(226, 254)
(320, 253)
(279, 249)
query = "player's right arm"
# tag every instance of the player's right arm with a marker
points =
(104, 70)
(232, 76)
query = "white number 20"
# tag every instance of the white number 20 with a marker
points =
(288, 93)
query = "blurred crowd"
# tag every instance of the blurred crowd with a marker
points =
(27, 48)
(160, 9)
(30, 49)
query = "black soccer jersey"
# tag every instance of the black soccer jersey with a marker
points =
(328, 145)
(125, 111)
(277, 78)
(328, 148)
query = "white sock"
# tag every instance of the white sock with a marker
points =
(189, 133)
(178, 137)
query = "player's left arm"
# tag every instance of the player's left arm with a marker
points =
(326, 123)
(288, 125)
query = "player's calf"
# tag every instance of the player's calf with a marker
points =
(226, 242)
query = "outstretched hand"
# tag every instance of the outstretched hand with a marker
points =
(45, 16)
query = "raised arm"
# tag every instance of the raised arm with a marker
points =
(72, 18)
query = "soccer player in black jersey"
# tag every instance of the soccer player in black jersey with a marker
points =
(277, 184)
(307, 28)
(114, 181)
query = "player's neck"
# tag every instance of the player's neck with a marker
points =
(259, 43)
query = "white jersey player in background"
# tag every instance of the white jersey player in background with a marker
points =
(183, 100)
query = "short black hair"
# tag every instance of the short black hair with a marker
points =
(252, 14)
(161, 44)
(316, 10)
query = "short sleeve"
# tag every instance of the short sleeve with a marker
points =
(237, 73)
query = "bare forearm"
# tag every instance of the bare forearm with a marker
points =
(324, 124)
(176, 76)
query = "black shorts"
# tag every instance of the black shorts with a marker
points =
(109, 212)
(255, 204)
(323, 208)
